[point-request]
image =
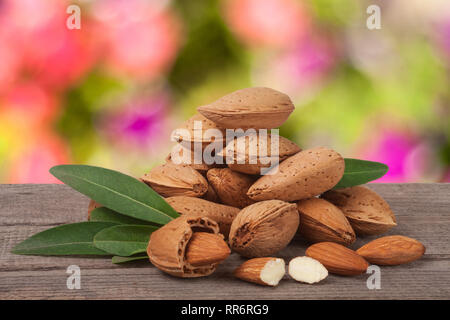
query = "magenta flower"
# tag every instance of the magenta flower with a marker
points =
(140, 125)
(409, 159)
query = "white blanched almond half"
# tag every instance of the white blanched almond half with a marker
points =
(306, 269)
(273, 272)
(266, 271)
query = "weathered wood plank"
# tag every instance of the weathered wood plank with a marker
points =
(423, 212)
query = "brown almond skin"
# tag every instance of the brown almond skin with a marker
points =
(172, 179)
(211, 195)
(206, 248)
(231, 187)
(301, 176)
(392, 250)
(258, 108)
(167, 246)
(322, 221)
(263, 228)
(286, 148)
(337, 258)
(251, 269)
(195, 207)
(367, 212)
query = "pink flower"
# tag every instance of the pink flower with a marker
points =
(444, 36)
(33, 163)
(266, 22)
(141, 38)
(28, 105)
(140, 125)
(10, 64)
(409, 159)
(51, 53)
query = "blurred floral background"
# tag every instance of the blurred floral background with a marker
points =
(110, 93)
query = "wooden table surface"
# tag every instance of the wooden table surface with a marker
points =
(422, 210)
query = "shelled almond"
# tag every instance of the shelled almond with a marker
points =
(392, 250)
(337, 258)
(263, 271)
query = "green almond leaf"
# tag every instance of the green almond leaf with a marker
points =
(104, 214)
(116, 191)
(124, 240)
(68, 239)
(359, 172)
(119, 260)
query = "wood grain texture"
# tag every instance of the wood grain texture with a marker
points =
(422, 210)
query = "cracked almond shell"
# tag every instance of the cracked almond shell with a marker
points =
(263, 228)
(367, 212)
(301, 176)
(195, 207)
(323, 221)
(167, 246)
(244, 156)
(231, 187)
(258, 108)
(171, 179)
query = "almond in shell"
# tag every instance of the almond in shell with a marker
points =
(172, 179)
(322, 221)
(250, 153)
(392, 250)
(367, 212)
(337, 258)
(195, 207)
(196, 129)
(231, 187)
(211, 195)
(257, 108)
(263, 228)
(301, 176)
(200, 167)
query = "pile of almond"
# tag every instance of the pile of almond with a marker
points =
(258, 215)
